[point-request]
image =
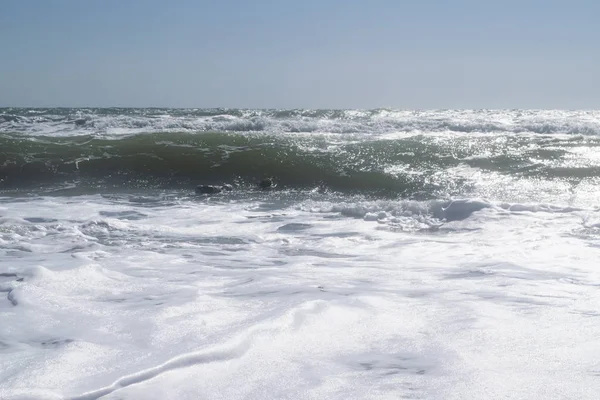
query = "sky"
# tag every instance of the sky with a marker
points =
(417, 54)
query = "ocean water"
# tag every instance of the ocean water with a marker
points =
(402, 255)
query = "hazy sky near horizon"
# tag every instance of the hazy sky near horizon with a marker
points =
(293, 54)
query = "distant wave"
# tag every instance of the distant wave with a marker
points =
(119, 121)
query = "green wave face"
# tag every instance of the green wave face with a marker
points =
(420, 165)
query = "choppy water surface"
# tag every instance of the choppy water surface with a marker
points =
(420, 255)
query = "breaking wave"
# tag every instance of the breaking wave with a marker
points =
(103, 121)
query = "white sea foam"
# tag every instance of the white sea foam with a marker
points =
(167, 296)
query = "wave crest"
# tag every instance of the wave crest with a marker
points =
(110, 121)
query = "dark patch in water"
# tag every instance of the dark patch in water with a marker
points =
(313, 253)
(115, 300)
(473, 274)
(242, 282)
(8, 275)
(586, 313)
(54, 343)
(76, 248)
(213, 253)
(396, 366)
(340, 235)
(39, 220)
(231, 240)
(294, 227)
(11, 297)
(458, 210)
(267, 218)
(366, 366)
(16, 249)
(124, 215)
(266, 293)
(500, 297)
(416, 294)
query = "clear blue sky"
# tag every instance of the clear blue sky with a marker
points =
(311, 53)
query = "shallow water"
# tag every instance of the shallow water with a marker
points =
(183, 297)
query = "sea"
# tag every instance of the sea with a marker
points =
(401, 254)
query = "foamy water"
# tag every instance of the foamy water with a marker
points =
(313, 293)
(175, 297)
